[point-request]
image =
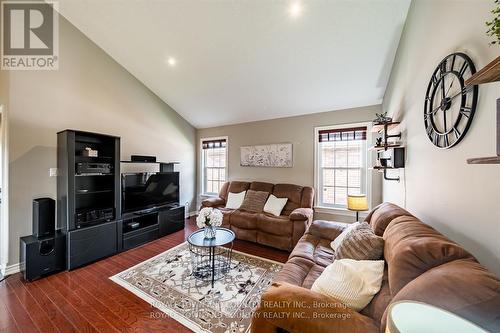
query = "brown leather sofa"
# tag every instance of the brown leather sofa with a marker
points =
(421, 265)
(281, 232)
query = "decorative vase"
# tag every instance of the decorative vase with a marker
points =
(209, 232)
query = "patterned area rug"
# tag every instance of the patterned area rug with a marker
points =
(166, 282)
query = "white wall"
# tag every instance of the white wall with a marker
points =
(300, 132)
(90, 92)
(460, 200)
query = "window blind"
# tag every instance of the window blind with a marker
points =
(342, 134)
(212, 144)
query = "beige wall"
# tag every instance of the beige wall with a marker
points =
(460, 200)
(297, 130)
(90, 92)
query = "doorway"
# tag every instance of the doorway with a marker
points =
(4, 221)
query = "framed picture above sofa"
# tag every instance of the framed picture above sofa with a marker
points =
(277, 155)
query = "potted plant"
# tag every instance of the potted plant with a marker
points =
(209, 218)
(494, 25)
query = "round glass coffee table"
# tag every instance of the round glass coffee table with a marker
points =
(211, 258)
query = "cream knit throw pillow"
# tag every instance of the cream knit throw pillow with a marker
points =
(352, 282)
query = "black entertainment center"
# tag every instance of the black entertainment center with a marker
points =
(102, 212)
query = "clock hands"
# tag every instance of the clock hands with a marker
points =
(450, 99)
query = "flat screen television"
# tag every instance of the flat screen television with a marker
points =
(142, 191)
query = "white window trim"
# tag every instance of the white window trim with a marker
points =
(369, 178)
(202, 167)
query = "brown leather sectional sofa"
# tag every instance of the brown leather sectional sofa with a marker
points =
(421, 265)
(281, 232)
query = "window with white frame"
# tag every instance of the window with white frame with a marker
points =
(214, 164)
(341, 166)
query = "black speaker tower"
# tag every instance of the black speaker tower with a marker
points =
(44, 217)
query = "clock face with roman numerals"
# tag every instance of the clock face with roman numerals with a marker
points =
(450, 104)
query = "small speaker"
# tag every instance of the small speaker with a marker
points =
(398, 158)
(44, 217)
(42, 256)
(143, 158)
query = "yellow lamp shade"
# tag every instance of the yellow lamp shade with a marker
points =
(357, 203)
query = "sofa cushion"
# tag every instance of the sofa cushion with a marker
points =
(360, 243)
(307, 197)
(237, 187)
(245, 234)
(226, 214)
(244, 220)
(463, 287)
(282, 242)
(382, 215)
(315, 249)
(380, 301)
(254, 201)
(290, 191)
(412, 248)
(275, 225)
(261, 186)
(299, 272)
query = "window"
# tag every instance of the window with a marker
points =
(214, 164)
(341, 165)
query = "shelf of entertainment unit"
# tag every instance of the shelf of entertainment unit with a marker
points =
(142, 221)
(79, 192)
(139, 230)
(94, 174)
(144, 162)
(489, 73)
(92, 158)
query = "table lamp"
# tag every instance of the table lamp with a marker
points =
(357, 203)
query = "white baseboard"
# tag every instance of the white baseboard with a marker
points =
(12, 269)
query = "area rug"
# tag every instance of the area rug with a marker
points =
(165, 281)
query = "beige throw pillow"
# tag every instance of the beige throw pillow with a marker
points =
(254, 201)
(360, 243)
(234, 200)
(352, 282)
(336, 242)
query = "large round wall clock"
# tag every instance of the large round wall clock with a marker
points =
(450, 104)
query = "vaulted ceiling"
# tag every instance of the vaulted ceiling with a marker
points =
(220, 62)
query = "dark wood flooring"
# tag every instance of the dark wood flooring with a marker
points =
(85, 300)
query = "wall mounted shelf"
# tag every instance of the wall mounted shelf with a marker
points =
(490, 73)
(389, 146)
(378, 128)
(484, 160)
(396, 149)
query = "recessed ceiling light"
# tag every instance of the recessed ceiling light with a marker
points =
(171, 61)
(295, 9)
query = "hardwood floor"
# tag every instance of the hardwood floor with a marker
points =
(85, 300)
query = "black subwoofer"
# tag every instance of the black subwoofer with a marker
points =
(44, 217)
(42, 256)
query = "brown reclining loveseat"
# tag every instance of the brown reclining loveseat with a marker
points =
(281, 232)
